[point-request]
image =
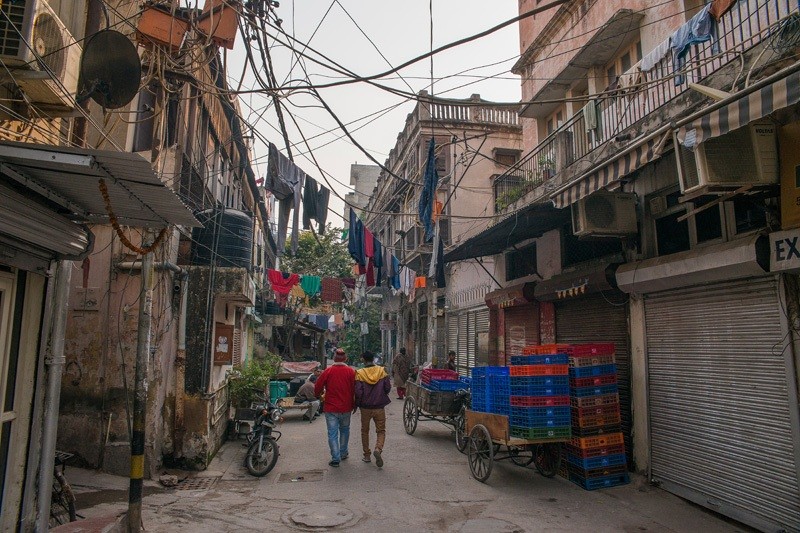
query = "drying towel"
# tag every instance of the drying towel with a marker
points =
(369, 243)
(331, 290)
(311, 285)
(590, 115)
(281, 283)
(657, 54)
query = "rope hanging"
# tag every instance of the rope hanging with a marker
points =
(115, 224)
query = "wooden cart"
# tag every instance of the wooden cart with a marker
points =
(447, 407)
(490, 440)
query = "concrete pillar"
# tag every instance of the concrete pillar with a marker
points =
(639, 411)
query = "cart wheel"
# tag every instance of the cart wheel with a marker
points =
(548, 459)
(520, 456)
(461, 430)
(480, 453)
(410, 415)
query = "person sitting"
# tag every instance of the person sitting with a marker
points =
(306, 396)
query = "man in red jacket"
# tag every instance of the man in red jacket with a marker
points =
(338, 382)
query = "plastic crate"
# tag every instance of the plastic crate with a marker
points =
(560, 433)
(596, 410)
(582, 392)
(611, 439)
(588, 350)
(547, 349)
(587, 401)
(539, 401)
(498, 409)
(591, 360)
(598, 451)
(593, 381)
(591, 431)
(541, 381)
(594, 473)
(444, 385)
(524, 389)
(600, 482)
(553, 359)
(467, 382)
(597, 462)
(439, 374)
(479, 405)
(593, 421)
(543, 422)
(539, 370)
(594, 370)
(483, 371)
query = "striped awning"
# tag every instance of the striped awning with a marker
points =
(614, 170)
(750, 107)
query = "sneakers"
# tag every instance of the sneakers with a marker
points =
(378, 458)
(366, 459)
(334, 463)
(345, 456)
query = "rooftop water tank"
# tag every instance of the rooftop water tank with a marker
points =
(232, 231)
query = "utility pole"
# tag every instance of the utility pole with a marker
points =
(140, 391)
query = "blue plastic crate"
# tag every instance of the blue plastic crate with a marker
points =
(524, 421)
(597, 462)
(582, 392)
(600, 482)
(542, 412)
(532, 390)
(553, 359)
(540, 381)
(479, 405)
(589, 371)
(467, 382)
(483, 371)
(445, 385)
(499, 409)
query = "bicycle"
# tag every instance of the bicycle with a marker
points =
(62, 501)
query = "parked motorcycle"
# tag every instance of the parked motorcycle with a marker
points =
(262, 452)
(462, 398)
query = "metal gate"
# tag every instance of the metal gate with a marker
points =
(464, 330)
(522, 328)
(722, 430)
(602, 318)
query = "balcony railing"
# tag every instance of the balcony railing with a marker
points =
(747, 24)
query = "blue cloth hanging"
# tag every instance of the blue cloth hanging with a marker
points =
(428, 194)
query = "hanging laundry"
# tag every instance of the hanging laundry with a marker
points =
(311, 284)
(437, 210)
(355, 239)
(331, 290)
(287, 180)
(350, 283)
(298, 295)
(369, 243)
(699, 29)
(428, 195)
(655, 56)
(378, 262)
(720, 7)
(590, 116)
(388, 267)
(441, 282)
(395, 273)
(315, 204)
(281, 283)
(631, 79)
(420, 282)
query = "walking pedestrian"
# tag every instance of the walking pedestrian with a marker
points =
(338, 383)
(372, 395)
(401, 369)
(305, 395)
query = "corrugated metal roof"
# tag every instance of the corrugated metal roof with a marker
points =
(70, 177)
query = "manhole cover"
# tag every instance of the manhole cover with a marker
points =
(306, 475)
(196, 483)
(322, 516)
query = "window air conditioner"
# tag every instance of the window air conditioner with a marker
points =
(42, 56)
(745, 156)
(605, 214)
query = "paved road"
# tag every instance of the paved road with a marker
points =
(425, 485)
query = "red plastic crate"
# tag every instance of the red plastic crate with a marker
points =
(593, 381)
(591, 360)
(547, 349)
(596, 410)
(595, 431)
(598, 451)
(610, 439)
(587, 401)
(539, 401)
(438, 373)
(585, 350)
(594, 421)
(539, 370)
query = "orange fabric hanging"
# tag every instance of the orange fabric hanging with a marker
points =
(437, 210)
(420, 282)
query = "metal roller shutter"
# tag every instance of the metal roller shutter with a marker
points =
(481, 328)
(602, 318)
(522, 328)
(721, 423)
(463, 334)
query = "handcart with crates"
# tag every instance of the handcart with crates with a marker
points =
(521, 412)
(440, 396)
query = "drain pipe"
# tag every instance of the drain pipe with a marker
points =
(163, 265)
(54, 362)
(180, 371)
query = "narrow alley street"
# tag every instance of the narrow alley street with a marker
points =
(425, 485)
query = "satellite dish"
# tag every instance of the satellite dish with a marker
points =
(110, 69)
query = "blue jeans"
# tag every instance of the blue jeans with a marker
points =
(338, 434)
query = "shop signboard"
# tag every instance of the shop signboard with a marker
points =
(785, 251)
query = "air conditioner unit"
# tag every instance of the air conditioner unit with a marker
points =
(746, 156)
(605, 214)
(41, 55)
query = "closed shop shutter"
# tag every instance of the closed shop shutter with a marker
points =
(452, 334)
(522, 328)
(601, 318)
(482, 337)
(464, 330)
(721, 423)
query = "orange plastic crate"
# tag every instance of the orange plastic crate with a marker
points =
(546, 349)
(539, 370)
(591, 360)
(539, 401)
(587, 401)
(611, 439)
(598, 451)
(594, 421)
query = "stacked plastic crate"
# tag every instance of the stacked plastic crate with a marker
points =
(490, 389)
(442, 380)
(596, 453)
(540, 393)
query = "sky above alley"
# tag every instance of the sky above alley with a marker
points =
(368, 37)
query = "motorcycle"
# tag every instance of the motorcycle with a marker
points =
(462, 403)
(262, 452)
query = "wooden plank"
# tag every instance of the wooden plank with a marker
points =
(497, 425)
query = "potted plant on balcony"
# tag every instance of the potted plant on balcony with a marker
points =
(546, 166)
(510, 196)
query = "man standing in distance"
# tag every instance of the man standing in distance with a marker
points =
(338, 382)
(372, 395)
(401, 369)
